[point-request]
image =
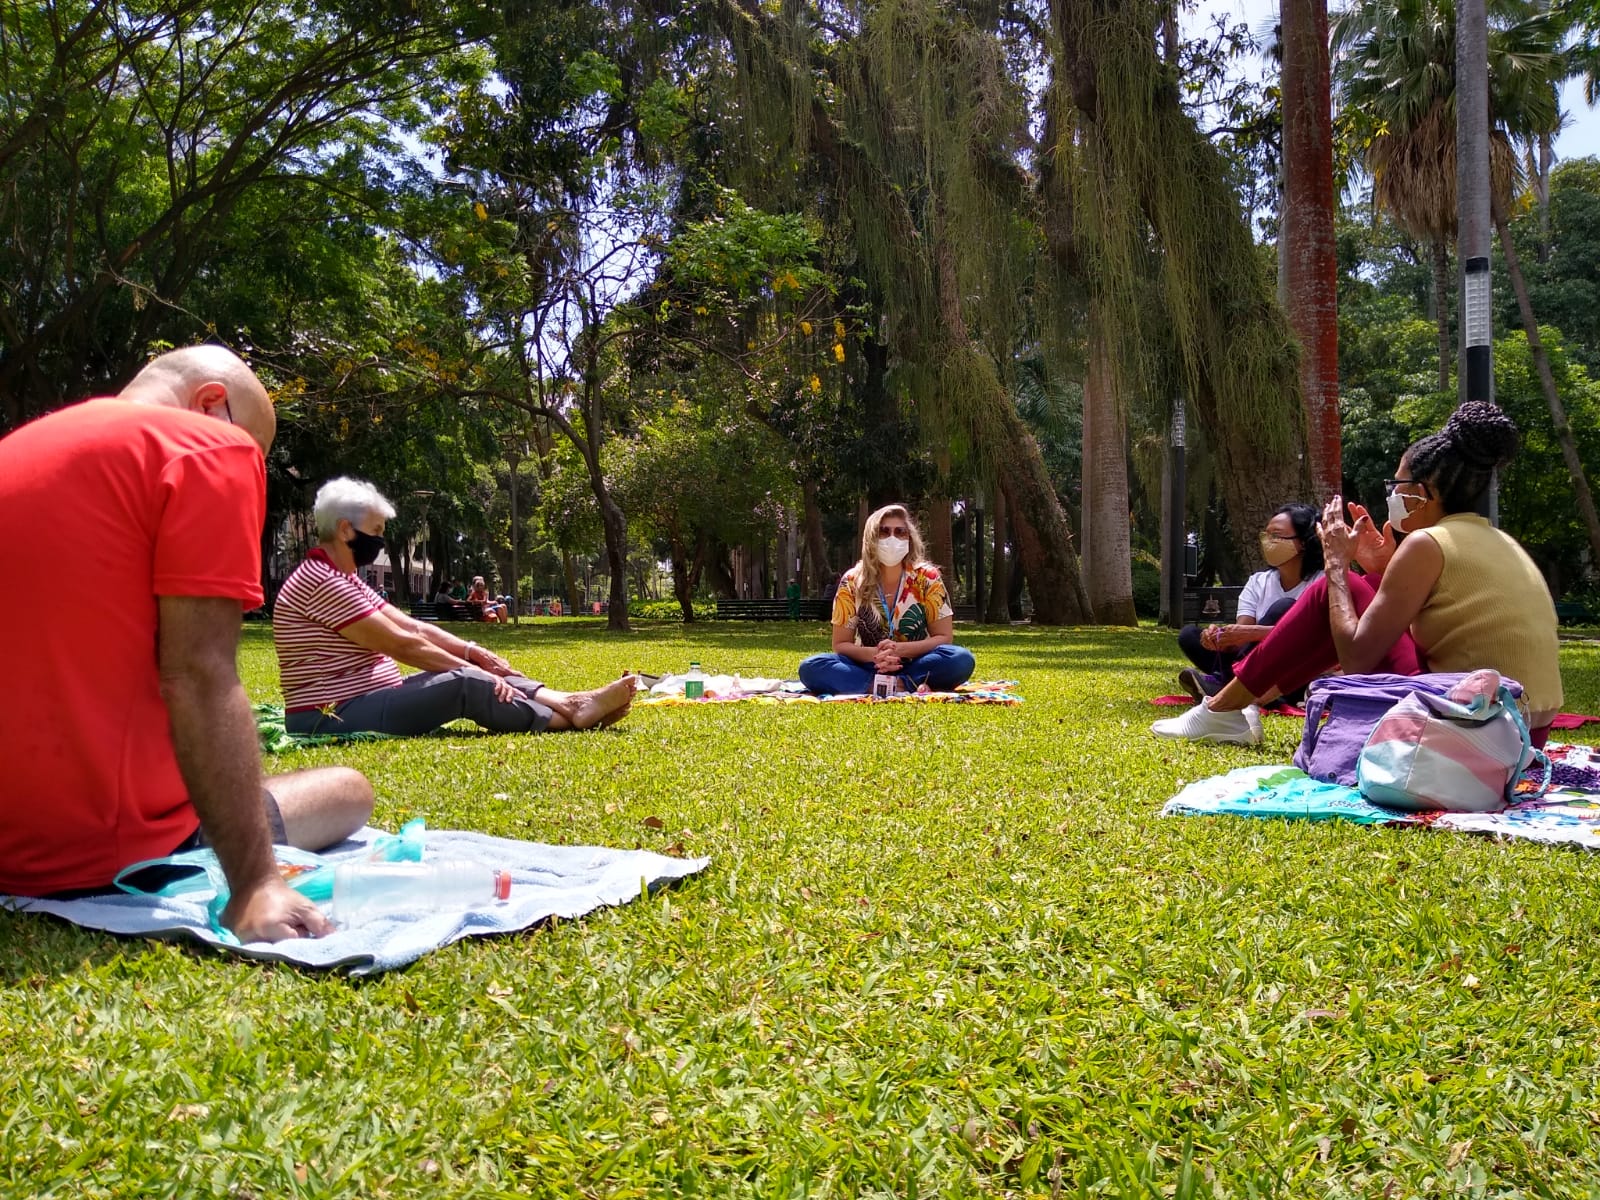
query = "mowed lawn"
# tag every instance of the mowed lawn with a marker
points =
(941, 950)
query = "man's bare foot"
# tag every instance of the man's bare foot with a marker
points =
(590, 709)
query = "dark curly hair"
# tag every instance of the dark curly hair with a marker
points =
(1305, 520)
(1457, 462)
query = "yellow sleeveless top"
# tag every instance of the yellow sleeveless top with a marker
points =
(1490, 608)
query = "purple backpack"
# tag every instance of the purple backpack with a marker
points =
(1343, 710)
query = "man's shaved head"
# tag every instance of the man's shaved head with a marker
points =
(211, 380)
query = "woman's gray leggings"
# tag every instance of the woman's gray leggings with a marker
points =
(424, 702)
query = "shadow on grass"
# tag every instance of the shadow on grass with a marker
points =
(39, 944)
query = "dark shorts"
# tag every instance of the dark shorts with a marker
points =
(153, 878)
(269, 805)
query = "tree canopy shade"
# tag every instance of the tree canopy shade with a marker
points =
(133, 134)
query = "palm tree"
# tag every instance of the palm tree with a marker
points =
(1395, 75)
(1307, 254)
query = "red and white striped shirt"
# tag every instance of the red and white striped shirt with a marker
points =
(318, 664)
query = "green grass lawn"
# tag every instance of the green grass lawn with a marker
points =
(941, 950)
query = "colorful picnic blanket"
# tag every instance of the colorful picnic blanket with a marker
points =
(732, 689)
(1568, 814)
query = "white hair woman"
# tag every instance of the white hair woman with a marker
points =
(340, 647)
(891, 616)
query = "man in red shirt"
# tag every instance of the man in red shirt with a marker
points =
(128, 735)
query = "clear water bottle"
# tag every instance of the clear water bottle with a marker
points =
(364, 891)
(694, 683)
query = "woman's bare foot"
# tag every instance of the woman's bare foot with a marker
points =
(603, 706)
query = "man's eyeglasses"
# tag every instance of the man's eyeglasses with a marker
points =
(1389, 486)
(899, 531)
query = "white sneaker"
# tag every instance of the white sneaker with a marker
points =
(1201, 724)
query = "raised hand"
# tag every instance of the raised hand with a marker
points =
(1373, 549)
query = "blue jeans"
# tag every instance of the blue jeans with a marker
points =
(943, 668)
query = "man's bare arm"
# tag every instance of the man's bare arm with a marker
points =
(214, 737)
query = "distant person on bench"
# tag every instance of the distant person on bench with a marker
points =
(340, 648)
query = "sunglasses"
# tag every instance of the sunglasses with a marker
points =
(898, 531)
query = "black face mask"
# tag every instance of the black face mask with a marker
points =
(365, 548)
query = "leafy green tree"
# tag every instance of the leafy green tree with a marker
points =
(138, 141)
(1399, 74)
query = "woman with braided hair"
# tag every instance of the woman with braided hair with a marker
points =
(1457, 596)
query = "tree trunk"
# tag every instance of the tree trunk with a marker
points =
(1000, 578)
(1441, 304)
(1310, 257)
(1107, 554)
(940, 540)
(1547, 382)
(569, 570)
(682, 580)
(616, 531)
(816, 548)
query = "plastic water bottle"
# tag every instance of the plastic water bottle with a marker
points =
(364, 891)
(694, 683)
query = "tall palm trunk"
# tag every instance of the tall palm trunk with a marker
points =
(1107, 555)
(1547, 382)
(1441, 308)
(1310, 260)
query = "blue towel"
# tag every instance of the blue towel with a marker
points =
(547, 881)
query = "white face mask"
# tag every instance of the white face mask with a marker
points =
(1398, 512)
(893, 550)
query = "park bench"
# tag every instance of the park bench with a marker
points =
(455, 610)
(1574, 612)
(1210, 605)
(770, 610)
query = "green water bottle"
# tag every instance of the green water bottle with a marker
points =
(694, 683)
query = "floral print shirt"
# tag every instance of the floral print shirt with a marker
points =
(921, 592)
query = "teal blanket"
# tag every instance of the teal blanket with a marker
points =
(1566, 815)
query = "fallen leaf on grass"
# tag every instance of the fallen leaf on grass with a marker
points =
(654, 823)
(660, 1117)
(675, 849)
(1323, 1146)
(1458, 1154)
(1318, 1014)
(300, 1172)
(182, 1112)
(429, 1166)
(411, 1002)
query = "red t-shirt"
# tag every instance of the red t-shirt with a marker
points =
(317, 664)
(105, 506)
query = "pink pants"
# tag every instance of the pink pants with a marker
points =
(1300, 647)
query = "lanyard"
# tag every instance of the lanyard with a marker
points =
(888, 612)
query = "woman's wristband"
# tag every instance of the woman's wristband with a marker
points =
(466, 653)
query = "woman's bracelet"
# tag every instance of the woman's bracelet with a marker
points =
(467, 653)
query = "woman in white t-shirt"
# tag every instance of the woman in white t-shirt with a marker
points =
(1293, 554)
